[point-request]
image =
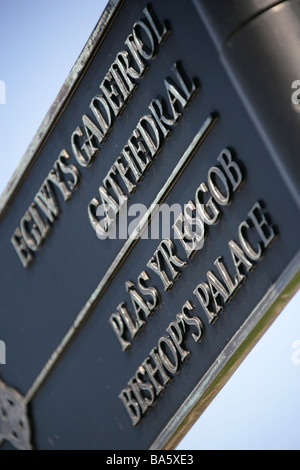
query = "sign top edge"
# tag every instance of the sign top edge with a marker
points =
(62, 97)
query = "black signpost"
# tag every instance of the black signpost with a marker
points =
(150, 236)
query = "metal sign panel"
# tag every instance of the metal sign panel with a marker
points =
(148, 238)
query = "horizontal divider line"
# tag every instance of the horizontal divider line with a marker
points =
(122, 255)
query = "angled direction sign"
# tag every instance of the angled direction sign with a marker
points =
(149, 236)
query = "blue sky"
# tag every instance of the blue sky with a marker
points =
(259, 408)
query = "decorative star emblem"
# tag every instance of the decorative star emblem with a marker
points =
(14, 424)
